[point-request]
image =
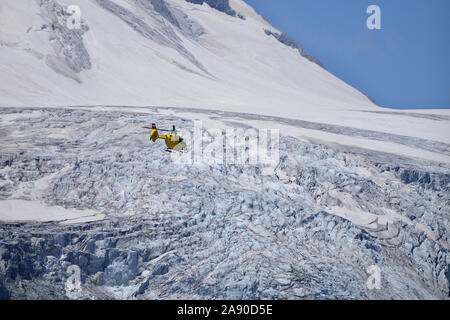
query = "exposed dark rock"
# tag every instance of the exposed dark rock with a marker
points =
(4, 293)
(447, 275)
(288, 41)
(221, 5)
(161, 7)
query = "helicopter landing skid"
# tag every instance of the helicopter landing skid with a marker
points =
(178, 151)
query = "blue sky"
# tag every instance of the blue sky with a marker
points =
(406, 64)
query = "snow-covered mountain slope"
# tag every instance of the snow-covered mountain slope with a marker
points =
(159, 52)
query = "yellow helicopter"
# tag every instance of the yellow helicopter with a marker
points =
(172, 139)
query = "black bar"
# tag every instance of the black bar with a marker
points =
(224, 309)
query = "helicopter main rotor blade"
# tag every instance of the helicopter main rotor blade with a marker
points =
(156, 129)
(167, 130)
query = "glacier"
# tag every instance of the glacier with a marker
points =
(309, 230)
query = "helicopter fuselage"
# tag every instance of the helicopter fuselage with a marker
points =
(172, 140)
